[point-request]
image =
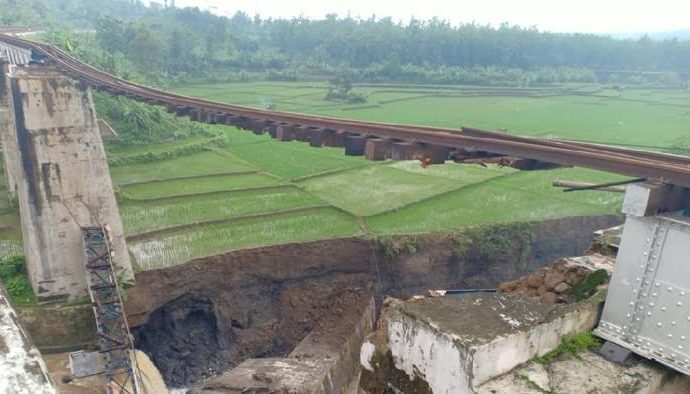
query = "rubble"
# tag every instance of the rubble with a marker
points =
(558, 283)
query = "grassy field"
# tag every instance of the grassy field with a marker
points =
(255, 191)
(648, 118)
(199, 164)
(178, 247)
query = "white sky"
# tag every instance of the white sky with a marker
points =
(600, 16)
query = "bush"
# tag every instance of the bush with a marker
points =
(14, 276)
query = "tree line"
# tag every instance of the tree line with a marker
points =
(184, 43)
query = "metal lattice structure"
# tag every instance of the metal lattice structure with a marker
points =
(114, 338)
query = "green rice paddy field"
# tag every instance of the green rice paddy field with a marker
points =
(255, 191)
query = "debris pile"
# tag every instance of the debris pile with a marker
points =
(561, 283)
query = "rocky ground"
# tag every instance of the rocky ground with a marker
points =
(563, 282)
(588, 373)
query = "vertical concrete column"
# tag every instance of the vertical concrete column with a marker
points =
(64, 181)
(8, 133)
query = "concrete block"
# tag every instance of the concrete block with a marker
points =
(83, 363)
(456, 344)
(314, 365)
(647, 199)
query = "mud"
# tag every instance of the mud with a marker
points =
(204, 317)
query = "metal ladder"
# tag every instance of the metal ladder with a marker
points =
(114, 339)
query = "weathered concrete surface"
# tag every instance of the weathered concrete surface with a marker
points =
(63, 182)
(453, 345)
(22, 370)
(8, 132)
(56, 328)
(588, 373)
(326, 361)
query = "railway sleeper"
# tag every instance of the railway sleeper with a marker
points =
(273, 130)
(336, 139)
(301, 133)
(426, 153)
(378, 149)
(285, 132)
(182, 110)
(355, 145)
(317, 136)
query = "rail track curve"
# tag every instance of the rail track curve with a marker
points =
(377, 140)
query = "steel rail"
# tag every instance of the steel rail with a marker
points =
(671, 168)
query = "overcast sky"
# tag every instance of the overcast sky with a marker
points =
(599, 16)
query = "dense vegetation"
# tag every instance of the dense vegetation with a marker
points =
(14, 277)
(169, 44)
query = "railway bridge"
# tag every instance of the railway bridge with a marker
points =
(48, 127)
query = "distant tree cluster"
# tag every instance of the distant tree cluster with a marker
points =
(181, 44)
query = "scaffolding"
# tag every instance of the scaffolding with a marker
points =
(114, 338)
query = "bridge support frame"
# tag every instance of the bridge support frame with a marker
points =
(63, 181)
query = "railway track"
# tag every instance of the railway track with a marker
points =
(378, 140)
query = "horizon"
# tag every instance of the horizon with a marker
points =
(587, 16)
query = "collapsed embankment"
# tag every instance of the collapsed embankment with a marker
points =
(206, 316)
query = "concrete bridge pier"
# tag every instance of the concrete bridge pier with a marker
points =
(55, 153)
(8, 133)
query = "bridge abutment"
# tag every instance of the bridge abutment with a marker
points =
(62, 177)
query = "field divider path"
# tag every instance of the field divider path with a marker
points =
(191, 195)
(334, 172)
(439, 195)
(174, 229)
(190, 177)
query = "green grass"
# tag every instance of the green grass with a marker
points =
(376, 189)
(204, 163)
(185, 187)
(294, 159)
(125, 151)
(640, 117)
(139, 217)
(180, 247)
(517, 196)
(385, 198)
(571, 346)
(14, 277)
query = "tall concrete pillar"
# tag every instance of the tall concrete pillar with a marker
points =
(8, 132)
(63, 182)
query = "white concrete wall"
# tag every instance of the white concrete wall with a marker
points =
(454, 362)
(64, 182)
(22, 370)
(505, 353)
(424, 351)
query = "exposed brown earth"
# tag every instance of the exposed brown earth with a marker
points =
(201, 318)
